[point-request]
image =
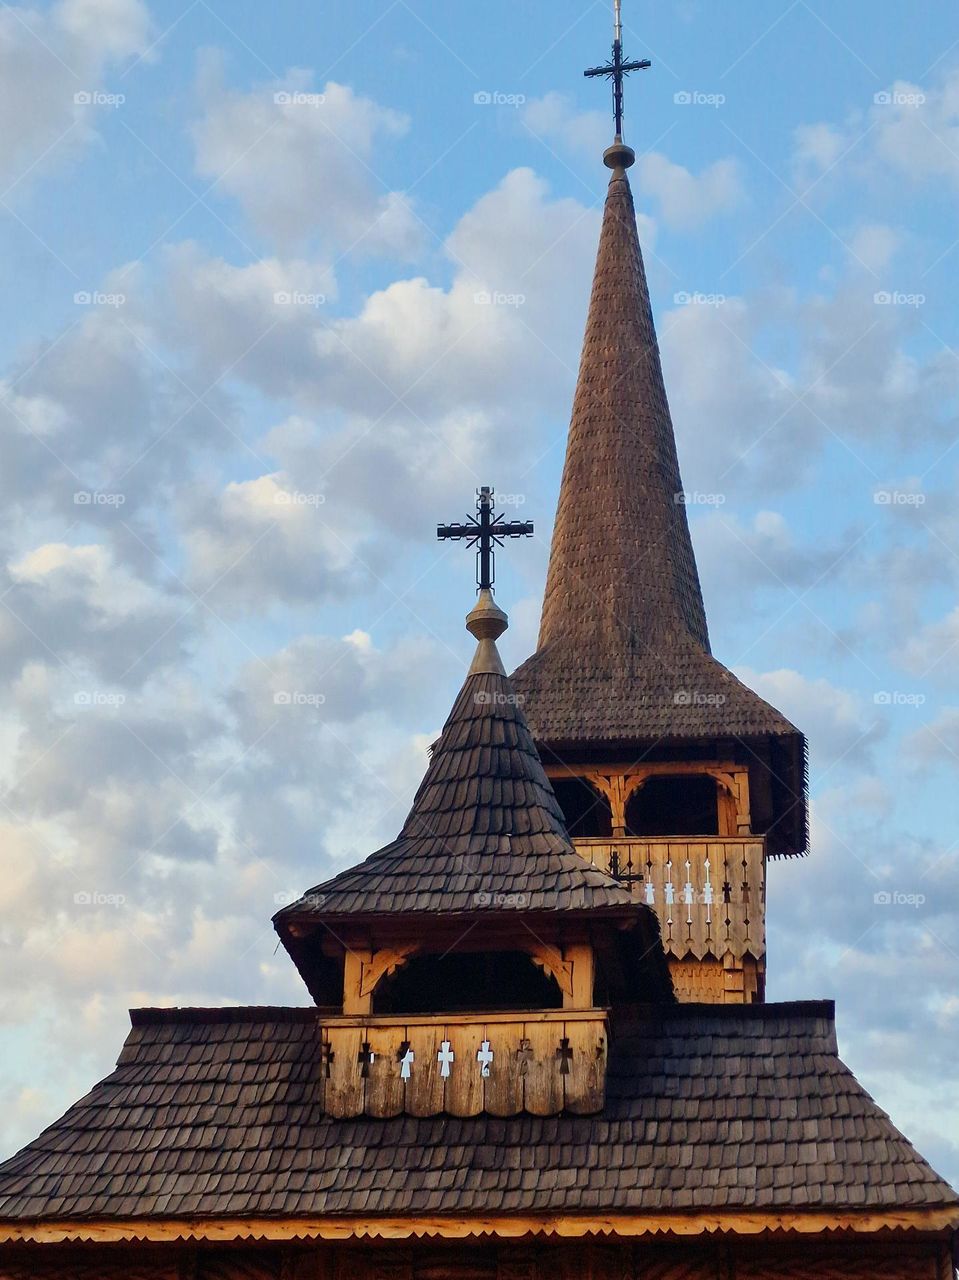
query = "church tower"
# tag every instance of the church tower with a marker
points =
(672, 775)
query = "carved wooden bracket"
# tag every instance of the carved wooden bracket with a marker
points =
(551, 959)
(383, 963)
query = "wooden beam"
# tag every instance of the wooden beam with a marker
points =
(929, 1221)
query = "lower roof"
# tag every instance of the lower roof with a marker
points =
(213, 1113)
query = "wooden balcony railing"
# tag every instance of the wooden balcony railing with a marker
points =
(541, 1062)
(709, 894)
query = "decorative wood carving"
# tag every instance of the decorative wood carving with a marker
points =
(503, 1064)
(709, 894)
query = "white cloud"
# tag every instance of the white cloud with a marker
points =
(47, 59)
(303, 164)
(687, 200)
(839, 725)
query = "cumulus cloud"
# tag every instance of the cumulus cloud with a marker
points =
(53, 64)
(302, 163)
(684, 199)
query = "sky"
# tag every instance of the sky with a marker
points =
(282, 285)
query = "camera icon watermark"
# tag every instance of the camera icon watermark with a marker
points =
(686, 299)
(897, 698)
(96, 498)
(93, 298)
(898, 98)
(496, 98)
(895, 898)
(694, 498)
(898, 498)
(295, 98)
(98, 698)
(696, 98)
(298, 298)
(296, 498)
(298, 698)
(97, 98)
(895, 298)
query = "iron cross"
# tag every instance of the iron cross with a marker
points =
(485, 531)
(617, 69)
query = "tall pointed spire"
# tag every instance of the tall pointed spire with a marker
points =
(624, 662)
(621, 564)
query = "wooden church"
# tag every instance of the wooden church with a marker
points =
(539, 1047)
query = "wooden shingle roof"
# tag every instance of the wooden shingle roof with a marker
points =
(484, 825)
(214, 1113)
(623, 658)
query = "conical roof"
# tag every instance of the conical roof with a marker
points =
(622, 560)
(485, 827)
(623, 656)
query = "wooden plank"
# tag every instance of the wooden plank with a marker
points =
(584, 1088)
(345, 1089)
(426, 1087)
(580, 958)
(543, 1082)
(465, 1089)
(385, 1087)
(503, 1087)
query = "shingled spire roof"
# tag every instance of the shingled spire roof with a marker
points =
(624, 656)
(484, 821)
(637, 574)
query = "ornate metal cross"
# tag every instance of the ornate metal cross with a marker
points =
(617, 69)
(485, 531)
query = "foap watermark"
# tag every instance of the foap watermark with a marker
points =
(485, 698)
(685, 299)
(305, 900)
(496, 298)
(896, 898)
(98, 698)
(298, 298)
(697, 98)
(896, 298)
(98, 898)
(899, 498)
(98, 98)
(93, 298)
(693, 498)
(898, 698)
(296, 498)
(509, 901)
(899, 98)
(496, 98)
(511, 499)
(694, 698)
(298, 698)
(296, 98)
(97, 498)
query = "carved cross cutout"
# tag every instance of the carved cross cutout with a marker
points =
(326, 1058)
(524, 1055)
(484, 1056)
(445, 1058)
(405, 1057)
(565, 1055)
(366, 1057)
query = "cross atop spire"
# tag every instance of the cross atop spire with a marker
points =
(485, 531)
(617, 69)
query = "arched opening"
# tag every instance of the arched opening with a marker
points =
(683, 805)
(585, 809)
(465, 982)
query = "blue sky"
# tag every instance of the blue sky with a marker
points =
(241, 251)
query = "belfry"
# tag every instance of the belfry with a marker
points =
(538, 1046)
